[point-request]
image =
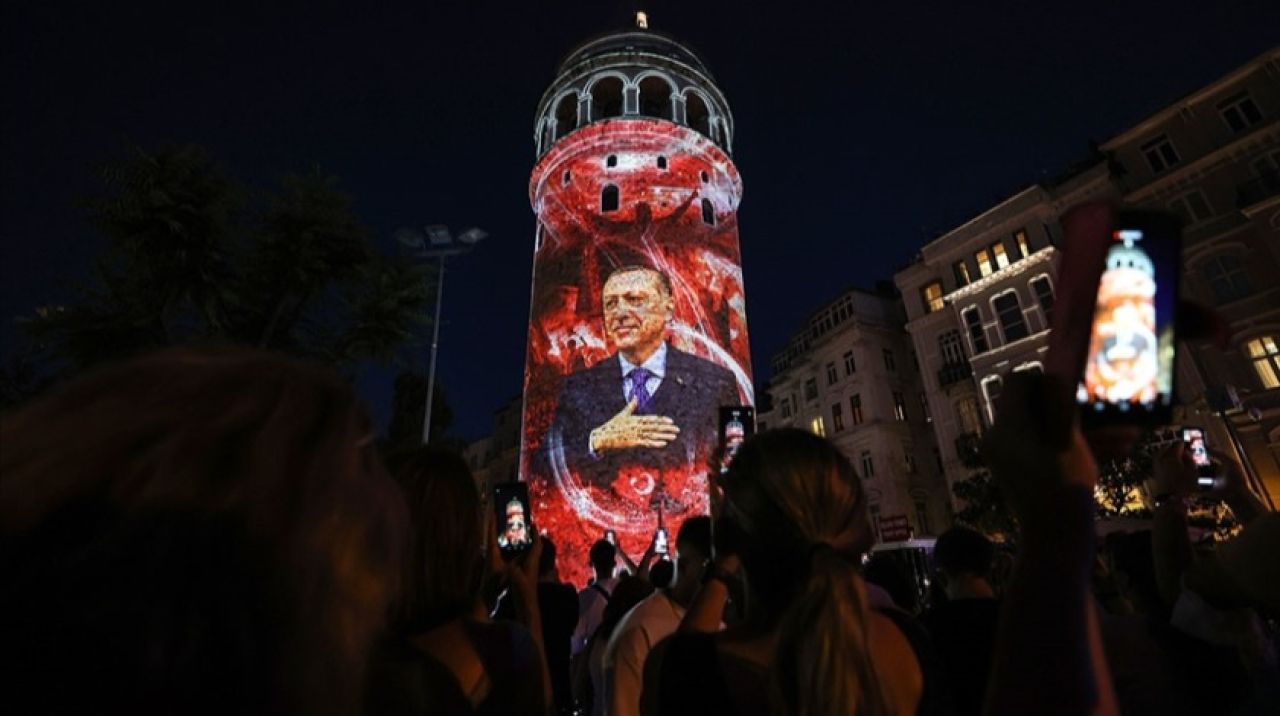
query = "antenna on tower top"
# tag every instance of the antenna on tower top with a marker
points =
(642, 19)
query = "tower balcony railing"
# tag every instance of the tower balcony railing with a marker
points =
(1256, 191)
(951, 373)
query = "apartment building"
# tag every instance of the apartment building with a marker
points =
(851, 375)
(1213, 157)
(978, 299)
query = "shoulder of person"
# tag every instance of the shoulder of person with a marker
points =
(691, 363)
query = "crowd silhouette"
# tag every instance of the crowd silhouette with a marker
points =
(215, 531)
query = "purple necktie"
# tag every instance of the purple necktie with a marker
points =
(639, 378)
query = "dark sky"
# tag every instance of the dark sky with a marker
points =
(861, 127)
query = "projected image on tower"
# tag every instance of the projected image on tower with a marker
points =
(637, 332)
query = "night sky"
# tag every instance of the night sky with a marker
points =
(860, 132)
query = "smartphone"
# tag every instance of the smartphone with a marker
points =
(513, 518)
(1194, 437)
(611, 537)
(660, 545)
(737, 423)
(1129, 365)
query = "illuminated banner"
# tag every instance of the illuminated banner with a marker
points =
(637, 332)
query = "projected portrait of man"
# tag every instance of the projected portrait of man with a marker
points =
(649, 404)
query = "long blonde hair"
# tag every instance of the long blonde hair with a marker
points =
(802, 516)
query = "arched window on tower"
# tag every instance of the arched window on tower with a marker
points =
(655, 97)
(662, 162)
(609, 198)
(566, 115)
(697, 114)
(606, 98)
(708, 213)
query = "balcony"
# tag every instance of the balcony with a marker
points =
(969, 450)
(951, 373)
(1258, 191)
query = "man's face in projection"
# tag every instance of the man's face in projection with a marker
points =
(637, 307)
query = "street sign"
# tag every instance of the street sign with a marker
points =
(895, 528)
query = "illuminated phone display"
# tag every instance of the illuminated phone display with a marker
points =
(1129, 369)
(512, 516)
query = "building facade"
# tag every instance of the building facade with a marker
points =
(978, 302)
(1213, 157)
(851, 376)
(978, 299)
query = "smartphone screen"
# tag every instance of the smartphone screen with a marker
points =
(1195, 439)
(512, 517)
(737, 423)
(1129, 367)
(660, 545)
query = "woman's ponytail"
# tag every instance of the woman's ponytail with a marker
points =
(823, 665)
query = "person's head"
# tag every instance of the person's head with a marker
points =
(637, 304)
(195, 531)
(798, 517)
(444, 566)
(604, 557)
(662, 574)
(693, 549)
(963, 556)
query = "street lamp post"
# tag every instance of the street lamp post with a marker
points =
(439, 244)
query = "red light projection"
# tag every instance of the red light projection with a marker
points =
(606, 446)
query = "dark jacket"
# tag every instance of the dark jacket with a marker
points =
(691, 393)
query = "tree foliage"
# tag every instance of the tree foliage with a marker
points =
(192, 256)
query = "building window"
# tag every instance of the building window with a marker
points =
(837, 417)
(899, 406)
(977, 335)
(984, 263)
(708, 213)
(967, 415)
(704, 176)
(786, 408)
(855, 409)
(992, 385)
(949, 346)
(662, 162)
(611, 161)
(832, 377)
(932, 297)
(811, 389)
(849, 366)
(999, 256)
(1227, 278)
(908, 459)
(924, 408)
(1159, 153)
(1009, 311)
(1192, 207)
(818, 427)
(961, 271)
(1043, 290)
(1020, 238)
(937, 458)
(868, 464)
(609, 198)
(1239, 112)
(568, 176)
(922, 515)
(1265, 354)
(889, 365)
